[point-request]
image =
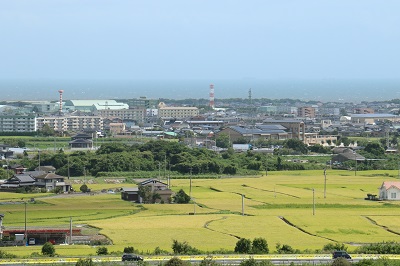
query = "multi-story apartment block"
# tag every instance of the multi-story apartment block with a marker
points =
(284, 109)
(177, 112)
(70, 123)
(363, 111)
(306, 112)
(124, 114)
(17, 123)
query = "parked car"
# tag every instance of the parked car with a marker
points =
(131, 257)
(341, 254)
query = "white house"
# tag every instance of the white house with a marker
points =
(390, 190)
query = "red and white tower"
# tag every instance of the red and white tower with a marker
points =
(61, 93)
(212, 104)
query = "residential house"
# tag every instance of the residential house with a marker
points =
(18, 181)
(389, 190)
(132, 194)
(51, 181)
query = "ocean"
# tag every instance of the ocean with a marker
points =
(324, 90)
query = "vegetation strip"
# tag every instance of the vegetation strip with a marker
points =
(302, 230)
(381, 226)
(223, 218)
(272, 191)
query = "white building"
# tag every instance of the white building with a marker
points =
(70, 123)
(18, 123)
(390, 190)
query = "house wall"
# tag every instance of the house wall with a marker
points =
(393, 194)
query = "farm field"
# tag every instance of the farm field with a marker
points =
(278, 207)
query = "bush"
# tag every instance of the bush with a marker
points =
(102, 251)
(334, 246)
(260, 246)
(129, 250)
(243, 246)
(285, 249)
(48, 249)
(184, 248)
(84, 262)
(341, 262)
(6, 255)
(176, 262)
(253, 262)
(84, 188)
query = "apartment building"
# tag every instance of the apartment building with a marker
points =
(306, 112)
(17, 123)
(70, 123)
(137, 114)
(177, 112)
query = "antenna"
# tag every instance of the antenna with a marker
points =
(250, 101)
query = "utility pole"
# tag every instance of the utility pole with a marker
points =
(68, 166)
(313, 201)
(26, 232)
(325, 183)
(70, 230)
(243, 204)
(190, 188)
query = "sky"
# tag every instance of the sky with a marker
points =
(207, 39)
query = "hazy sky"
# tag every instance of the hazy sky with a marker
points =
(210, 39)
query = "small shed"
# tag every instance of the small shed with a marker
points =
(130, 194)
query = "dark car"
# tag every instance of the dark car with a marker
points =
(341, 254)
(131, 257)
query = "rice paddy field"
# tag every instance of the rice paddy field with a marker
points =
(277, 207)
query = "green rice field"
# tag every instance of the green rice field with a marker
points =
(277, 207)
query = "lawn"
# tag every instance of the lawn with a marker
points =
(278, 207)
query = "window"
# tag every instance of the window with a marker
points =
(393, 195)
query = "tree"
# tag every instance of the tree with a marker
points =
(260, 246)
(129, 249)
(102, 251)
(181, 197)
(375, 149)
(47, 130)
(145, 194)
(296, 145)
(243, 246)
(48, 249)
(223, 141)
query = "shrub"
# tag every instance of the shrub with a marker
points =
(260, 246)
(176, 262)
(102, 251)
(341, 262)
(208, 261)
(253, 262)
(285, 249)
(84, 262)
(243, 246)
(84, 188)
(48, 249)
(183, 248)
(6, 255)
(129, 250)
(334, 246)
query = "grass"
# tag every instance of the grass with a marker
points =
(278, 207)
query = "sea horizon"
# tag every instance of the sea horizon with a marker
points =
(324, 90)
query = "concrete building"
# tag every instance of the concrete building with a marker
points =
(364, 111)
(373, 118)
(165, 112)
(18, 123)
(137, 114)
(89, 106)
(306, 112)
(70, 123)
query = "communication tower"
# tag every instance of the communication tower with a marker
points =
(61, 93)
(212, 104)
